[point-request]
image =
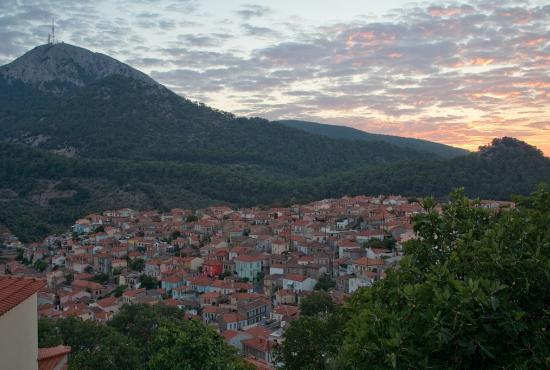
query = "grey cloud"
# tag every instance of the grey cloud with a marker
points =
(256, 31)
(248, 11)
(203, 40)
(482, 56)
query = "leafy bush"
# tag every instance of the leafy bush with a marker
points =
(140, 337)
(472, 292)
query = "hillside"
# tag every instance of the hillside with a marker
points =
(499, 170)
(43, 192)
(81, 132)
(349, 133)
(113, 113)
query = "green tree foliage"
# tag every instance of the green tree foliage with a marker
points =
(93, 346)
(387, 243)
(189, 347)
(506, 167)
(140, 145)
(140, 321)
(137, 264)
(316, 303)
(191, 218)
(101, 278)
(40, 265)
(312, 342)
(119, 290)
(148, 282)
(344, 132)
(145, 123)
(472, 292)
(325, 282)
(225, 274)
(140, 337)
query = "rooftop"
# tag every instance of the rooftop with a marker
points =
(14, 290)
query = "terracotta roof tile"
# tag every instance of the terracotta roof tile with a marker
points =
(248, 258)
(230, 334)
(14, 290)
(368, 261)
(295, 277)
(258, 343)
(52, 358)
(52, 351)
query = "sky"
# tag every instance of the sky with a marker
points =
(455, 72)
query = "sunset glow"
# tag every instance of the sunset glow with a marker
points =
(455, 72)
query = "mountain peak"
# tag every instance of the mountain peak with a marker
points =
(57, 67)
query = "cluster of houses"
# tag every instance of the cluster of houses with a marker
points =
(243, 271)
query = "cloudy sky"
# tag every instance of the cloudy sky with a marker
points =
(456, 72)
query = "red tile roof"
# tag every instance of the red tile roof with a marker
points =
(50, 358)
(248, 258)
(230, 334)
(365, 261)
(286, 310)
(231, 317)
(258, 331)
(107, 302)
(86, 284)
(210, 295)
(133, 293)
(52, 351)
(14, 290)
(175, 278)
(295, 277)
(258, 343)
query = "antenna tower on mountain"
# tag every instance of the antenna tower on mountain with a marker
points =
(51, 36)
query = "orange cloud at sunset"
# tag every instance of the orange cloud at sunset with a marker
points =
(460, 74)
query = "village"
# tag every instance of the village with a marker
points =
(244, 272)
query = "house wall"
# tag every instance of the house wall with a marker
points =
(356, 283)
(196, 263)
(276, 270)
(248, 269)
(19, 339)
(279, 248)
(168, 285)
(308, 284)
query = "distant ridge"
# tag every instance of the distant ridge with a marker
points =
(68, 99)
(349, 133)
(81, 132)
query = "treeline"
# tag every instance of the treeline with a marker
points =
(344, 132)
(471, 293)
(140, 337)
(123, 118)
(506, 167)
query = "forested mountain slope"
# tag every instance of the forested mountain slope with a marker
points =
(81, 132)
(349, 133)
(115, 113)
(43, 192)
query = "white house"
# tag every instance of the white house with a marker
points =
(298, 282)
(19, 328)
